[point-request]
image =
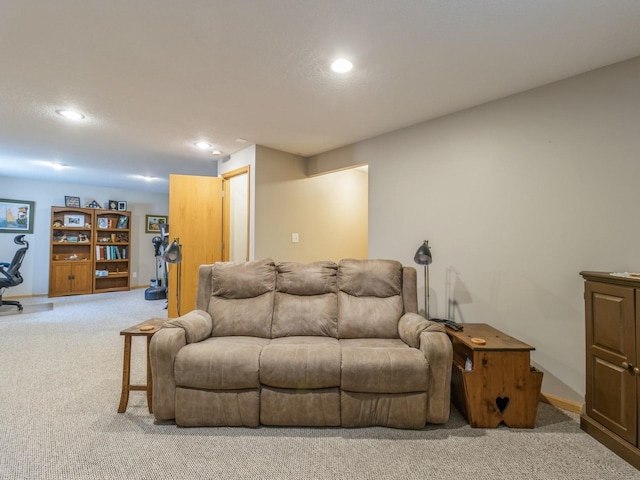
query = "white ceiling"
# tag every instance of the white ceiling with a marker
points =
(154, 76)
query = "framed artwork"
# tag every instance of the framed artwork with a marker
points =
(74, 221)
(16, 216)
(103, 222)
(153, 222)
(122, 206)
(123, 222)
(72, 201)
(113, 205)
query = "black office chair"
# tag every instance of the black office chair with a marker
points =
(10, 272)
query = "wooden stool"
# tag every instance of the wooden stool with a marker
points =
(147, 328)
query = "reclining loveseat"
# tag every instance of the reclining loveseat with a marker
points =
(316, 344)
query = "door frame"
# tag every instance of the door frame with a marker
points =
(226, 209)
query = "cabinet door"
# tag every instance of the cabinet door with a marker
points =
(610, 333)
(59, 283)
(81, 277)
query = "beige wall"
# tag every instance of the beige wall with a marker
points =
(329, 212)
(516, 197)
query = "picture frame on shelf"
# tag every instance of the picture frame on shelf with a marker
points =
(123, 222)
(76, 220)
(103, 222)
(112, 205)
(122, 206)
(72, 239)
(16, 216)
(71, 201)
(152, 223)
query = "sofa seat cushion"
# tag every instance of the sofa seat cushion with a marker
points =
(220, 363)
(301, 363)
(382, 366)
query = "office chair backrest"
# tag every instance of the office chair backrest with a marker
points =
(13, 272)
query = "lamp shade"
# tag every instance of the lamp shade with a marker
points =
(423, 254)
(173, 253)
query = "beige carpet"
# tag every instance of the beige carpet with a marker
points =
(60, 387)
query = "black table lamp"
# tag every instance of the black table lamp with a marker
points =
(173, 254)
(423, 257)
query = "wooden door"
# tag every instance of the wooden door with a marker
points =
(195, 218)
(611, 396)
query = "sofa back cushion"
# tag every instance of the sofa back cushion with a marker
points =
(369, 298)
(242, 297)
(306, 300)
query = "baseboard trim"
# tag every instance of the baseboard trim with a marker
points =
(562, 403)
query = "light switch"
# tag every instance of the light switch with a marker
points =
(295, 237)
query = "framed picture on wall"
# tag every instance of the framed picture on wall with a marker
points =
(16, 216)
(153, 222)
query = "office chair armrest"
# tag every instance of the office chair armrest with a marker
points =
(4, 264)
(3, 273)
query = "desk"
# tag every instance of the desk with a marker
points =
(135, 331)
(498, 384)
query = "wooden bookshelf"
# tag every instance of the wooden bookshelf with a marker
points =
(89, 251)
(111, 251)
(71, 257)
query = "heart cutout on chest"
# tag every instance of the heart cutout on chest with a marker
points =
(502, 403)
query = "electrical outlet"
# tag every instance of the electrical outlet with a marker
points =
(134, 275)
(295, 237)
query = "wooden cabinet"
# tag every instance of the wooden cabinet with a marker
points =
(70, 278)
(89, 251)
(492, 380)
(612, 314)
(71, 251)
(112, 233)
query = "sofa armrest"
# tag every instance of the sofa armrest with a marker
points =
(193, 327)
(411, 325)
(437, 349)
(197, 325)
(165, 345)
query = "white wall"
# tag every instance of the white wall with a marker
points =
(516, 198)
(35, 269)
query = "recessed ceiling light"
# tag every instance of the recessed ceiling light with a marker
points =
(341, 65)
(203, 145)
(216, 152)
(241, 140)
(70, 114)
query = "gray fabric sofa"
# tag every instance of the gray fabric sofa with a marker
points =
(316, 344)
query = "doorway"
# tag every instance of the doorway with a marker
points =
(235, 216)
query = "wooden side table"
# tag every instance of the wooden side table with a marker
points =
(498, 384)
(156, 324)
